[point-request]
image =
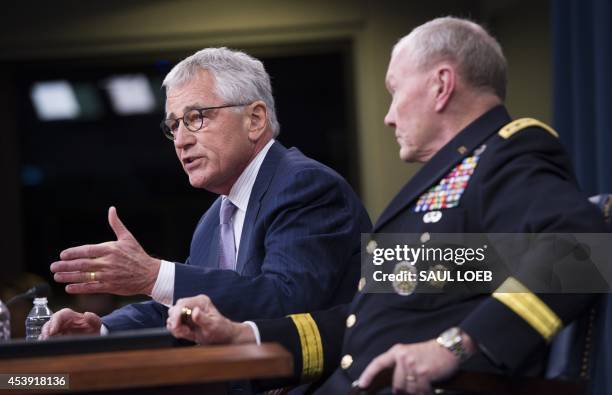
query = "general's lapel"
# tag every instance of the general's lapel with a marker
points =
(262, 182)
(442, 162)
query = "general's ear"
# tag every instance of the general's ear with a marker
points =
(445, 80)
(257, 119)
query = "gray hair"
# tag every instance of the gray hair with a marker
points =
(478, 56)
(239, 78)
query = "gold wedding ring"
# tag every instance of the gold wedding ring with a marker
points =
(92, 276)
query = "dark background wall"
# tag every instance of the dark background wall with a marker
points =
(327, 60)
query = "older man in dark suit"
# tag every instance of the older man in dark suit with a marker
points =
(282, 238)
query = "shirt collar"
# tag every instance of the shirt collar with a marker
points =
(241, 190)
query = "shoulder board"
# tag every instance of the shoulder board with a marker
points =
(520, 124)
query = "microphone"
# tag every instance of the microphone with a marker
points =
(38, 291)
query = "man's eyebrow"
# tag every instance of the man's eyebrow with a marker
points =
(186, 109)
(193, 107)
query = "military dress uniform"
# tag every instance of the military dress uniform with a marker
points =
(501, 176)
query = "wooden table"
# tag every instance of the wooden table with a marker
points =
(193, 370)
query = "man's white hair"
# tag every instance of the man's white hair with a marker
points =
(239, 78)
(477, 55)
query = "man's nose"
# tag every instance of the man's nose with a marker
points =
(389, 119)
(183, 136)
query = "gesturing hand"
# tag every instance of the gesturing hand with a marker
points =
(208, 326)
(119, 267)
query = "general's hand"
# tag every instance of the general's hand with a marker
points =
(208, 325)
(119, 267)
(415, 366)
(69, 322)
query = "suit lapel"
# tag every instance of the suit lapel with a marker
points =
(444, 160)
(205, 243)
(262, 182)
(213, 249)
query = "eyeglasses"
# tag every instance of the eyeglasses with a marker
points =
(193, 120)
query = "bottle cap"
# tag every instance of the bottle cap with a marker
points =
(40, 300)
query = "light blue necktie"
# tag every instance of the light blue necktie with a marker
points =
(227, 244)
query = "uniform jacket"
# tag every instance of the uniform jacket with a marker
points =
(522, 183)
(299, 248)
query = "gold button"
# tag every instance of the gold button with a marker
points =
(350, 320)
(462, 150)
(361, 284)
(425, 237)
(346, 362)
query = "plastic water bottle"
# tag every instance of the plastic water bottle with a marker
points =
(5, 323)
(39, 314)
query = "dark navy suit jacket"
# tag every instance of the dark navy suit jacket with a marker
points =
(299, 249)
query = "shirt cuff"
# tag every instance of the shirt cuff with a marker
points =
(255, 331)
(163, 290)
(103, 330)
